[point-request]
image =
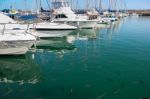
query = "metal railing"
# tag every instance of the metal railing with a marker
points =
(15, 28)
(27, 30)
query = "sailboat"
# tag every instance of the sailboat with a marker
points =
(93, 13)
(14, 40)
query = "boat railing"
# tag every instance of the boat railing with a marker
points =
(26, 30)
(4, 27)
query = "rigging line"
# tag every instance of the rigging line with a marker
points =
(95, 4)
(110, 5)
(25, 3)
(71, 4)
(100, 4)
(48, 4)
(77, 4)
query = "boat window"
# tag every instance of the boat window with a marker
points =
(16, 29)
(60, 16)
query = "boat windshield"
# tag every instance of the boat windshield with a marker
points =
(61, 16)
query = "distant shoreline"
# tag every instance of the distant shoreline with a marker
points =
(140, 12)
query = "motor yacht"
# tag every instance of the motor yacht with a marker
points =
(14, 39)
(62, 13)
(51, 29)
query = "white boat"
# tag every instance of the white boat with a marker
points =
(50, 29)
(103, 20)
(62, 13)
(110, 17)
(13, 39)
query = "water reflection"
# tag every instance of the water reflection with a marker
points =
(84, 65)
(83, 34)
(55, 44)
(61, 44)
(115, 27)
(103, 26)
(56, 48)
(20, 69)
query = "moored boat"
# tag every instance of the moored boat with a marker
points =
(51, 29)
(62, 13)
(13, 39)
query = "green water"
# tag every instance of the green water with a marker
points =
(107, 63)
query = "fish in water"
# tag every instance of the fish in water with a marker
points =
(117, 73)
(109, 79)
(8, 92)
(117, 91)
(88, 85)
(71, 91)
(39, 98)
(144, 98)
(101, 96)
(61, 89)
(67, 70)
(140, 82)
(123, 85)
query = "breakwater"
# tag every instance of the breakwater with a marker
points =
(140, 12)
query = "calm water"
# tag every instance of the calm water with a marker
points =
(110, 63)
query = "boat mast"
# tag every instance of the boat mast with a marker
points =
(87, 4)
(95, 4)
(100, 5)
(11, 6)
(71, 4)
(37, 7)
(40, 6)
(48, 3)
(124, 4)
(109, 5)
(77, 6)
(115, 5)
(62, 1)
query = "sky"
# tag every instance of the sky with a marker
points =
(20, 4)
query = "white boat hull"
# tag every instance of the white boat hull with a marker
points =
(87, 25)
(15, 39)
(13, 51)
(15, 47)
(55, 33)
(80, 24)
(50, 29)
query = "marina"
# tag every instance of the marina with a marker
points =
(64, 52)
(89, 65)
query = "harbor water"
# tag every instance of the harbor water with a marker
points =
(106, 63)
